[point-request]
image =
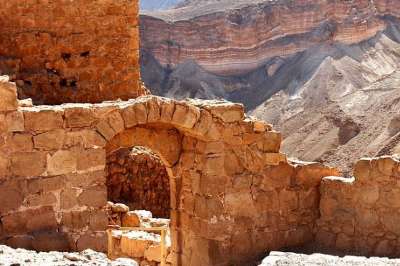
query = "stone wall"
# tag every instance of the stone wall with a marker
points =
(138, 178)
(233, 195)
(362, 215)
(71, 51)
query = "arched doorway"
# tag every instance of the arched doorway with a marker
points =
(140, 167)
(137, 178)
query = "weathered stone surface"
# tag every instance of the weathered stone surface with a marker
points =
(51, 140)
(62, 162)
(8, 95)
(28, 164)
(43, 120)
(58, 66)
(93, 197)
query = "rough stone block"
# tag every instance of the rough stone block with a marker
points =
(20, 142)
(93, 197)
(79, 117)
(93, 159)
(28, 164)
(52, 140)
(62, 162)
(98, 220)
(130, 219)
(75, 219)
(15, 121)
(43, 120)
(96, 241)
(8, 95)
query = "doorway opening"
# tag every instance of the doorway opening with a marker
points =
(138, 192)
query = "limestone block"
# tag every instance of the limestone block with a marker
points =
(12, 198)
(42, 184)
(79, 117)
(120, 208)
(98, 220)
(96, 241)
(68, 198)
(274, 158)
(92, 159)
(105, 129)
(8, 95)
(185, 116)
(28, 164)
(362, 170)
(386, 165)
(42, 199)
(43, 120)
(15, 121)
(130, 219)
(94, 197)
(153, 253)
(271, 142)
(40, 219)
(228, 112)
(20, 142)
(311, 174)
(50, 240)
(240, 204)
(288, 200)
(86, 138)
(51, 140)
(116, 121)
(135, 243)
(167, 109)
(75, 219)
(62, 162)
(153, 110)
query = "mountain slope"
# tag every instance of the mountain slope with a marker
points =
(326, 73)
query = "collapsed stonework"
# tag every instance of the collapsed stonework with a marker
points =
(71, 51)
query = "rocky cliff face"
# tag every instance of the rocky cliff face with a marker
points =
(319, 70)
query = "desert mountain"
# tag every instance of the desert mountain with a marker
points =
(326, 73)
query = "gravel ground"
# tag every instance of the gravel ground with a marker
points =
(287, 258)
(21, 257)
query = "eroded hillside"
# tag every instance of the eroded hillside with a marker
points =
(325, 73)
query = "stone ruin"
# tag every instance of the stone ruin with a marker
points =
(232, 195)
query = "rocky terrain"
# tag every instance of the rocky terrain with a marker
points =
(324, 73)
(284, 259)
(16, 257)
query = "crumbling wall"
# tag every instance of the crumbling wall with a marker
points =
(138, 178)
(71, 51)
(234, 196)
(362, 215)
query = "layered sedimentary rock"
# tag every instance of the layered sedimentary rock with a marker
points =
(138, 178)
(235, 37)
(71, 51)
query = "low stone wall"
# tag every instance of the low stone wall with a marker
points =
(71, 51)
(362, 215)
(138, 178)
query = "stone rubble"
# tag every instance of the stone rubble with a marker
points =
(22, 257)
(316, 259)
